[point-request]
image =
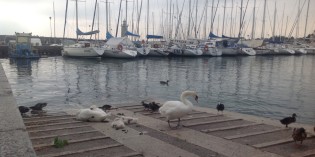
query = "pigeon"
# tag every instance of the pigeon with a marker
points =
(288, 120)
(23, 109)
(39, 106)
(220, 107)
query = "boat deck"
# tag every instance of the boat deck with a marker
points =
(204, 133)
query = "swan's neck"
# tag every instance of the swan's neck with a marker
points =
(186, 101)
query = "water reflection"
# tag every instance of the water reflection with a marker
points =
(23, 66)
(260, 85)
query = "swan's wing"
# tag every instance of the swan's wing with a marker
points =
(170, 106)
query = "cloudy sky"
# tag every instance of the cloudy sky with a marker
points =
(33, 16)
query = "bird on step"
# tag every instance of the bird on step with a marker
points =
(178, 109)
(164, 82)
(220, 107)
(105, 107)
(299, 134)
(288, 120)
(23, 109)
(39, 106)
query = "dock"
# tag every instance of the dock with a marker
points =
(203, 133)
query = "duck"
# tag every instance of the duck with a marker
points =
(288, 120)
(39, 106)
(164, 82)
(129, 120)
(92, 114)
(105, 107)
(178, 109)
(220, 107)
(299, 134)
(23, 109)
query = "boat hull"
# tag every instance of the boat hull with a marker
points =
(119, 54)
(80, 52)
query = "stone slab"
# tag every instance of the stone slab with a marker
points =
(15, 143)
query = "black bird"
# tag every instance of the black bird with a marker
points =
(299, 134)
(220, 107)
(154, 106)
(288, 120)
(23, 109)
(39, 106)
(164, 82)
(105, 107)
(145, 105)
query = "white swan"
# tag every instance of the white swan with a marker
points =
(92, 114)
(177, 109)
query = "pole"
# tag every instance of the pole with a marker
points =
(50, 30)
(264, 21)
(254, 17)
(308, 7)
(54, 23)
(223, 17)
(118, 19)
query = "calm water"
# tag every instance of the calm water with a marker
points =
(272, 87)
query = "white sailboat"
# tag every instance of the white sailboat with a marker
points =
(82, 48)
(119, 48)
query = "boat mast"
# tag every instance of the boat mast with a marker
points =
(189, 19)
(308, 7)
(231, 22)
(64, 27)
(264, 21)
(54, 23)
(93, 17)
(298, 21)
(254, 17)
(118, 19)
(76, 20)
(274, 22)
(211, 24)
(106, 15)
(196, 19)
(223, 17)
(282, 23)
(206, 18)
(147, 19)
(241, 17)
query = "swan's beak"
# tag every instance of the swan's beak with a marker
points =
(196, 98)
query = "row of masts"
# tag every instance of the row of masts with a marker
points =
(172, 25)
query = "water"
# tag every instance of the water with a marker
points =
(267, 86)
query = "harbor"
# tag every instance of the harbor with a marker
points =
(167, 78)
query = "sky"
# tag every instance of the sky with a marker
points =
(33, 16)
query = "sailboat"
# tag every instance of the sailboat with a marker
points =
(82, 48)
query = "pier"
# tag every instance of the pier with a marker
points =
(204, 132)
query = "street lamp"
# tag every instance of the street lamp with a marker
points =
(50, 29)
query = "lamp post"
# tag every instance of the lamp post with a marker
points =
(50, 29)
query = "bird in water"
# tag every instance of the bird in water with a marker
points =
(220, 107)
(23, 109)
(105, 107)
(288, 120)
(164, 82)
(299, 134)
(39, 106)
(178, 109)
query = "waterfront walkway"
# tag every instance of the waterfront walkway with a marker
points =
(204, 133)
(14, 140)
